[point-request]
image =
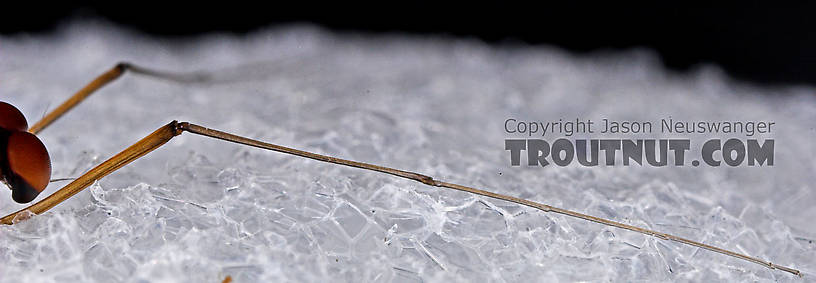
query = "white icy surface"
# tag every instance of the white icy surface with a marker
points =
(197, 209)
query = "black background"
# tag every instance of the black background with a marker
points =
(756, 42)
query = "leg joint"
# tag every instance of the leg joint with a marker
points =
(179, 127)
(122, 66)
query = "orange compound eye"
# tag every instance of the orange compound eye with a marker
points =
(29, 166)
(11, 118)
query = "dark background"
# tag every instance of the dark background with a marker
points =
(756, 42)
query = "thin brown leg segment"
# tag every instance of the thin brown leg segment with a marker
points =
(139, 149)
(79, 96)
(167, 132)
(431, 182)
(106, 78)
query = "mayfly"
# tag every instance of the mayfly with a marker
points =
(26, 165)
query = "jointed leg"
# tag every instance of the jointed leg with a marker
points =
(78, 97)
(104, 79)
(139, 149)
(167, 132)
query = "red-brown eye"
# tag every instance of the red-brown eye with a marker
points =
(29, 166)
(11, 118)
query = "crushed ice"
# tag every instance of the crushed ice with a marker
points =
(199, 210)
